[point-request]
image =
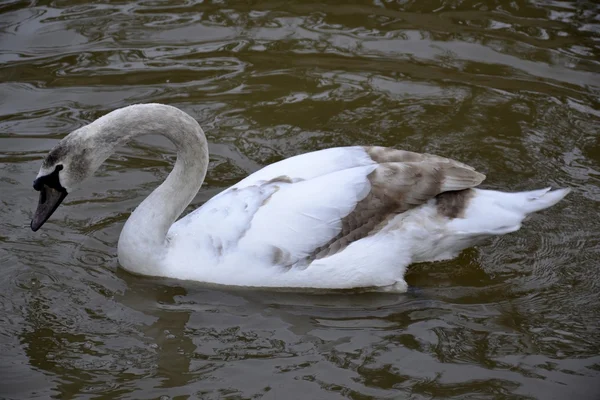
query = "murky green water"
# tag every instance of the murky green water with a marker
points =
(511, 87)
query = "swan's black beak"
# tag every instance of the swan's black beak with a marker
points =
(51, 195)
(50, 199)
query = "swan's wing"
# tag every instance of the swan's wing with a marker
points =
(301, 214)
(317, 218)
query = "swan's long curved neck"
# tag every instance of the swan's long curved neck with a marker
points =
(142, 243)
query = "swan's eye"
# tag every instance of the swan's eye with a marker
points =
(50, 180)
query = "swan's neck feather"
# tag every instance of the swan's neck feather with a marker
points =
(142, 243)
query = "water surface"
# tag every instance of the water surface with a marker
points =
(510, 87)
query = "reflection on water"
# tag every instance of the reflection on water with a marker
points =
(510, 87)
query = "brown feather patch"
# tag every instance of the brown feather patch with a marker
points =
(383, 155)
(453, 204)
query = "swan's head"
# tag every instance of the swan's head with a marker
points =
(80, 153)
(69, 163)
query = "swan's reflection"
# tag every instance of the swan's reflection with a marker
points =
(174, 348)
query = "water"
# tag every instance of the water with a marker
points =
(510, 87)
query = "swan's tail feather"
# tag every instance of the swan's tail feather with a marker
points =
(538, 200)
(491, 212)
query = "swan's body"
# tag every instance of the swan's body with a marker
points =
(336, 218)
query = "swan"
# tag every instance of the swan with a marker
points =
(340, 218)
